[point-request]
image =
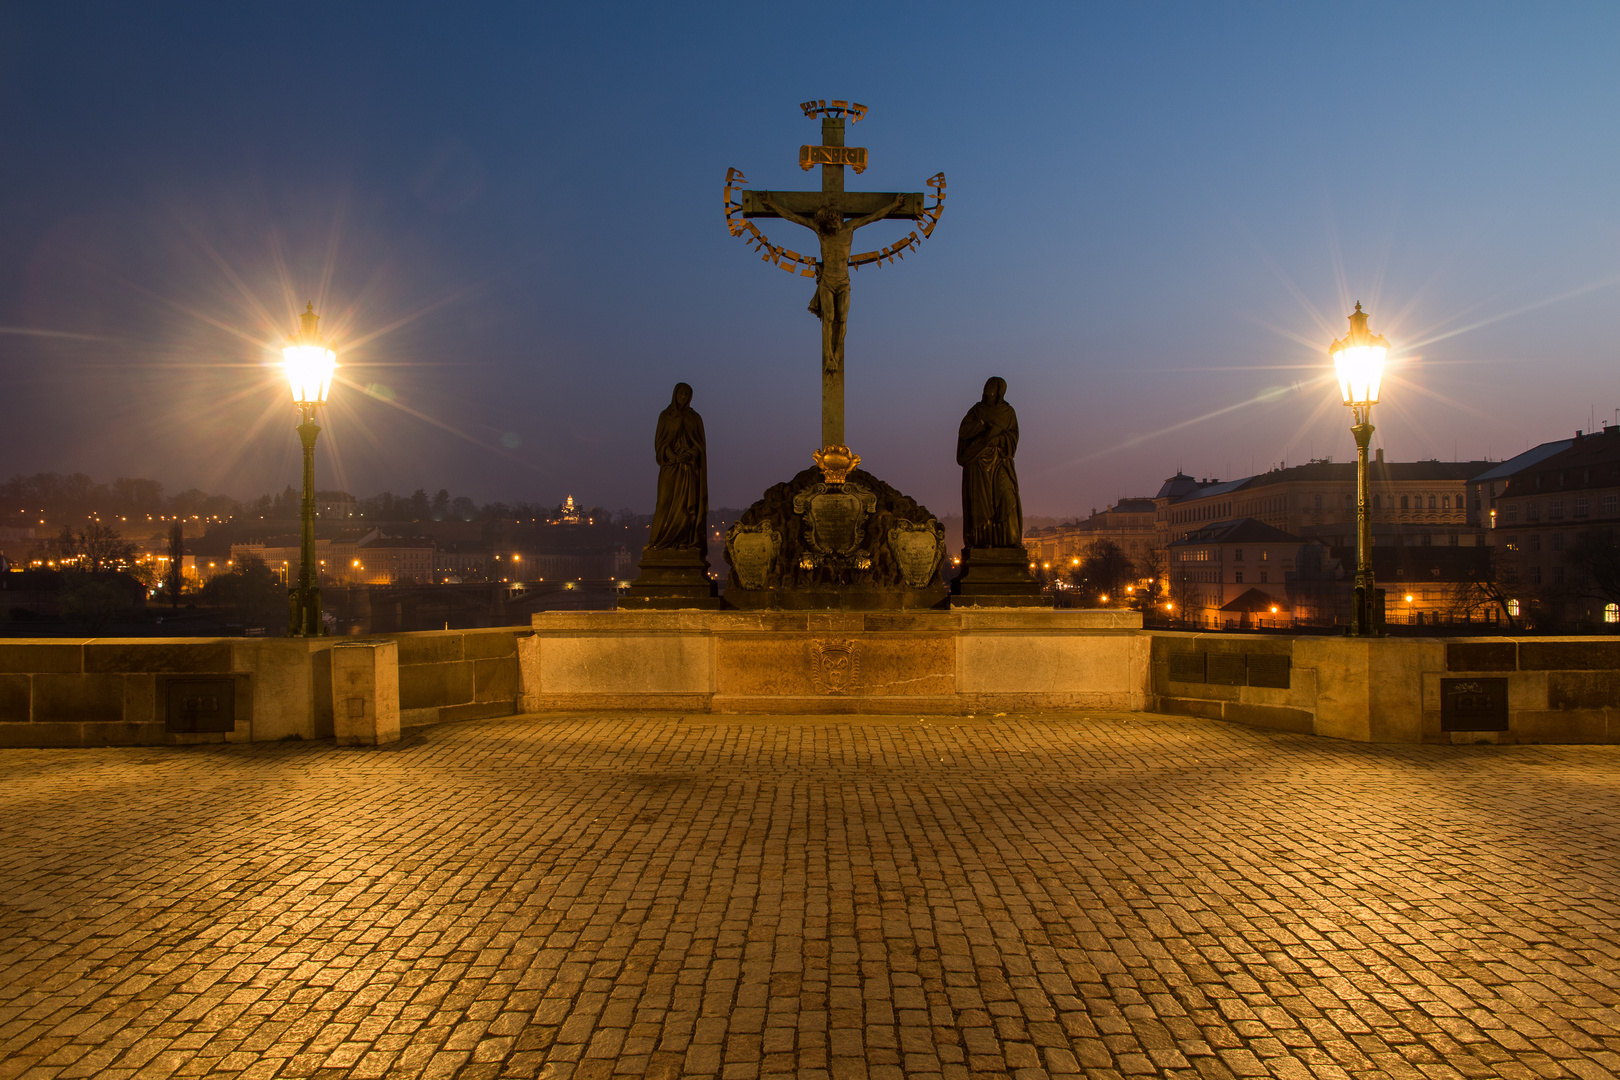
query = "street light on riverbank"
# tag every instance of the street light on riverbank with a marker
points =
(1358, 358)
(309, 362)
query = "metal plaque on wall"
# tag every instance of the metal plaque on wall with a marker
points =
(1268, 669)
(1227, 669)
(1473, 704)
(1186, 667)
(199, 705)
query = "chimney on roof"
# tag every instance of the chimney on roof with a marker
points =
(1577, 436)
(1380, 455)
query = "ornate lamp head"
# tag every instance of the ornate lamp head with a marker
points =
(309, 361)
(1358, 358)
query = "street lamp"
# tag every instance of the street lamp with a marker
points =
(1358, 358)
(309, 361)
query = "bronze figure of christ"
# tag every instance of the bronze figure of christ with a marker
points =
(833, 215)
(830, 303)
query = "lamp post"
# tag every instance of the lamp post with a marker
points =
(1358, 358)
(309, 362)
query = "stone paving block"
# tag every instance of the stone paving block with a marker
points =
(1053, 894)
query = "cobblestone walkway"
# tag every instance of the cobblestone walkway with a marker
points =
(1053, 894)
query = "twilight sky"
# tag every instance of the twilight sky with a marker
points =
(510, 217)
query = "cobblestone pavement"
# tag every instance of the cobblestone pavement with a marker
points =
(1052, 894)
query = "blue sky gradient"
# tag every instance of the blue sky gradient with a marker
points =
(1158, 217)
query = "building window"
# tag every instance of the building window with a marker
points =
(1262, 577)
(1611, 505)
(1445, 502)
(1535, 575)
(1611, 612)
(1580, 507)
(1532, 542)
(1532, 511)
(1264, 554)
(1431, 502)
(1376, 499)
(1237, 577)
(1428, 539)
(1349, 501)
(1318, 503)
(1558, 575)
(1558, 541)
(1555, 510)
(1513, 608)
(1403, 501)
(1237, 554)
(1452, 539)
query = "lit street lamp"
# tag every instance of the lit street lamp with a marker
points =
(1358, 358)
(309, 361)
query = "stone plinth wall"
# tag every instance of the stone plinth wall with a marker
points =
(136, 691)
(457, 674)
(118, 691)
(1530, 689)
(831, 662)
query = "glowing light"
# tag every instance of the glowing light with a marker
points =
(309, 362)
(1358, 358)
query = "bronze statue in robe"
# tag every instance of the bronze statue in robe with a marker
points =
(992, 516)
(681, 518)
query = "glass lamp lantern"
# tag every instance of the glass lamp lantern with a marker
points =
(309, 362)
(1358, 359)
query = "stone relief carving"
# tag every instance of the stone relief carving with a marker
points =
(918, 549)
(835, 665)
(751, 550)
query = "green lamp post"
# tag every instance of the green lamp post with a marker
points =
(309, 363)
(1358, 359)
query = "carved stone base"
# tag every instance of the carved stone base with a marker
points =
(996, 577)
(846, 598)
(854, 545)
(672, 578)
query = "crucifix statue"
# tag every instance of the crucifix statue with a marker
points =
(833, 214)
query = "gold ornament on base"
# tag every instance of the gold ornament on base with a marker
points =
(836, 462)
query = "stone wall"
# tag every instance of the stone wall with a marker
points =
(1396, 689)
(457, 674)
(832, 662)
(142, 691)
(120, 691)
(111, 691)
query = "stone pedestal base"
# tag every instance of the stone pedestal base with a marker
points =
(672, 578)
(996, 577)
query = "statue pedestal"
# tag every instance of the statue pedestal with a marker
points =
(672, 578)
(996, 577)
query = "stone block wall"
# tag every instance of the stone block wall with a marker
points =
(122, 691)
(457, 674)
(837, 661)
(1396, 689)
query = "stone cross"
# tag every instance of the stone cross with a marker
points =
(833, 214)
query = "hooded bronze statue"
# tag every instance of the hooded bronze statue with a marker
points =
(992, 516)
(682, 514)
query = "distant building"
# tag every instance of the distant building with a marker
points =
(330, 505)
(1417, 503)
(1128, 523)
(369, 558)
(1233, 573)
(1542, 502)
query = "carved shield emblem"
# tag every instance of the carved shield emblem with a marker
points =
(835, 518)
(835, 666)
(917, 550)
(750, 549)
